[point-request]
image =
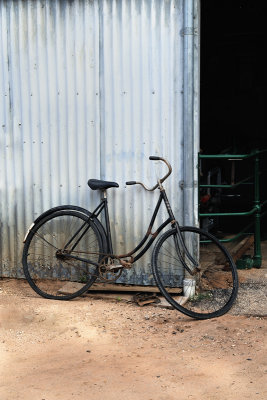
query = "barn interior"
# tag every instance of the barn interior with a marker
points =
(233, 86)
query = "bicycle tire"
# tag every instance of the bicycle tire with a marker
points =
(44, 266)
(209, 293)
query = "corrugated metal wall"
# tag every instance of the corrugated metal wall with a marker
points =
(89, 89)
(50, 122)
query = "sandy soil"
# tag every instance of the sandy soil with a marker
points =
(98, 349)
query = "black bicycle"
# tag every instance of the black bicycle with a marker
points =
(192, 269)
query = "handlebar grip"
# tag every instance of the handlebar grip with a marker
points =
(155, 158)
(131, 183)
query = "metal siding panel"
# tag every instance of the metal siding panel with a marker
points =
(89, 89)
(141, 113)
(49, 77)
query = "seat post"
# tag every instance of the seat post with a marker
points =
(104, 194)
(107, 222)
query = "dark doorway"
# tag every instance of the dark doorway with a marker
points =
(233, 90)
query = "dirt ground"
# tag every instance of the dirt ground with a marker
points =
(95, 349)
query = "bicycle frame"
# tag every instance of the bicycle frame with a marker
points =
(104, 206)
(178, 239)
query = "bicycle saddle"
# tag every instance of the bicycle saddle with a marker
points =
(96, 184)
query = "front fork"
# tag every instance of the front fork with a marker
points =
(180, 245)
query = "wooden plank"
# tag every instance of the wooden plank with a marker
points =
(238, 250)
(71, 287)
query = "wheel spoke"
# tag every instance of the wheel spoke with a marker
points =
(212, 290)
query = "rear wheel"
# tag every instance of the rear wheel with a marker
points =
(212, 290)
(63, 246)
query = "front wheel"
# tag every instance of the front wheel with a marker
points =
(62, 247)
(211, 291)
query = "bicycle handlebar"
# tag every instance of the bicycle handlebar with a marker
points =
(160, 181)
(154, 158)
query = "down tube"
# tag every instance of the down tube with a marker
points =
(139, 255)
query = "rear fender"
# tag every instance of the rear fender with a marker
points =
(81, 210)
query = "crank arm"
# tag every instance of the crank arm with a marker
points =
(114, 267)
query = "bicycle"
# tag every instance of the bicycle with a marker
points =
(70, 243)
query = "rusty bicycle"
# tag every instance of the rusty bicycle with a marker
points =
(192, 269)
